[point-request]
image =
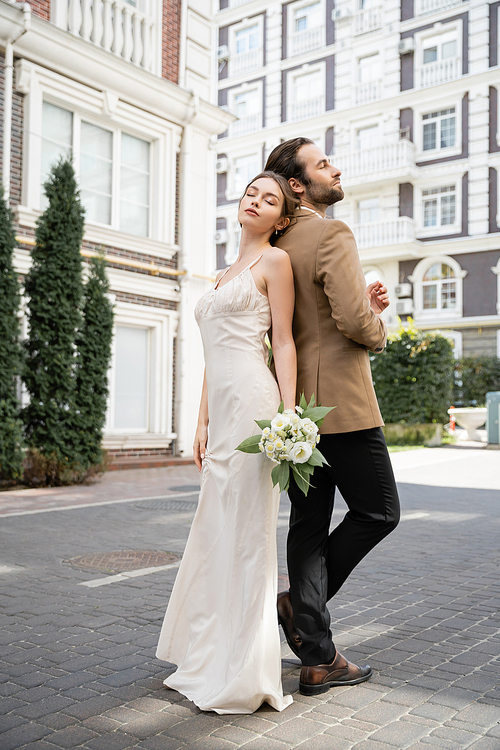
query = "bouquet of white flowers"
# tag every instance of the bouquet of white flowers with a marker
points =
(290, 440)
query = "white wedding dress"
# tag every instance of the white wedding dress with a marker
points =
(221, 626)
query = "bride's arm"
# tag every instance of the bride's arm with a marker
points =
(200, 438)
(281, 295)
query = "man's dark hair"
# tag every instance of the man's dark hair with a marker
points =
(284, 160)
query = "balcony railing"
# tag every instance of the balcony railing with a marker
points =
(113, 25)
(442, 71)
(305, 109)
(382, 233)
(247, 124)
(375, 163)
(367, 20)
(423, 7)
(368, 92)
(245, 62)
(306, 40)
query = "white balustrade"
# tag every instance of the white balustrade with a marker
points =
(382, 233)
(305, 109)
(375, 161)
(423, 7)
(115, 26)
(306, 40)
(442, 71)
(368, 92)
(235, 3)
(367, 20)
(248, 124)
(245, 62)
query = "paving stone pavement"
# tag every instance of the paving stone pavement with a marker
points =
(77, 664)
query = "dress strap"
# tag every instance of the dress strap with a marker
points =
(254, 262)
(217, 284)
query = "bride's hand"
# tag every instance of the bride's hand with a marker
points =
(378, 295)
(200, 445)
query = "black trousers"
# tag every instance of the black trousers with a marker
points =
(319, 562)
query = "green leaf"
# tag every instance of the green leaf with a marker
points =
(303, 402)
(318, 456)
(302, 483)
(305, 468)
(281, 407)
(250, 445)
(262, 423)
(317, 412)
(312, 402)
(281, 475)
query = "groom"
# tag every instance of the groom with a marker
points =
(336, 323)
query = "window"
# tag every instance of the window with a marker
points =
(247, 105)
(245, 48)
(247, 39)
(131, 387)
(113, 169)
(368, 211)
(305, 26)
(245, 167)
(369, 68)
(367, 138)
(439, 288)
(438, 57)
(440, 48)
(307, 17)
(306, 94)
(439, 130)
(439, 206)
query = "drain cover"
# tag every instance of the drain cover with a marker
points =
(167, 504)
(122, 560)
(186, 488)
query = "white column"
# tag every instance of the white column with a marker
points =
(478, 158)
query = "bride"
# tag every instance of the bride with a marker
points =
(221, 628)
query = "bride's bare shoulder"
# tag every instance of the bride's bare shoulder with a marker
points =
(277, 258)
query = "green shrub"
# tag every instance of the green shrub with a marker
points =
(413, 377)
(474, 378)
(11, 455)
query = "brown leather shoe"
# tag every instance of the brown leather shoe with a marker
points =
(320, 678)
(285, 619)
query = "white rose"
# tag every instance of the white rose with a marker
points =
(309, 427)
(280, 422)
(300, 453)
(294, 419)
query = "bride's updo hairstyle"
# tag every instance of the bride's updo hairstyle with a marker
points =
(290, 200)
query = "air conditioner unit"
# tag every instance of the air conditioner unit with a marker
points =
(220, 237)
(406, 45)
(404, 307)
(221, 165)
(222, 52)
(341, 14)
(403, 290)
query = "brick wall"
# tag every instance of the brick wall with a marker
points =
(171, 25)
(40, 8)
(16, 154)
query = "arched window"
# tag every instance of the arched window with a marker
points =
(437, 288)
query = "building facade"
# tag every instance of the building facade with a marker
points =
(124, 87)
(404, 97)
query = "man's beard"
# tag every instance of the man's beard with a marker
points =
(326, 196)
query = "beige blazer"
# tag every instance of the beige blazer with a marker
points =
(333, 325)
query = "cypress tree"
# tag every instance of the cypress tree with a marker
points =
(54, 287)
(93, 358)
(11, 455)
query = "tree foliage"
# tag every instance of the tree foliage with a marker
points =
(474, 378)
(54, 287)
(413, 377)
(93, 358)
(11, 454)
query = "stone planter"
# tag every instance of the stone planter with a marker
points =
(470, 418)
(430, 435)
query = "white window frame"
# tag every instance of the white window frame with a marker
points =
(232, 192)
(162, 327)
(437, 106)
(438, 230)
(104, 110)
(233, 31)
(436, 31)
(244, 89)
(291, 10)
(320, 70)
(417, 279)
(496, 271)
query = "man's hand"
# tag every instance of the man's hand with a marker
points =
(378, 295)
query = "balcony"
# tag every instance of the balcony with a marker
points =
(114, 25)
(248, 124)
(367, 20)
(368, 92)
(245, 62)
(383, 163)
(306, 40)
(424, 7)
(442, 71)
(382, 233)
(305, 109)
